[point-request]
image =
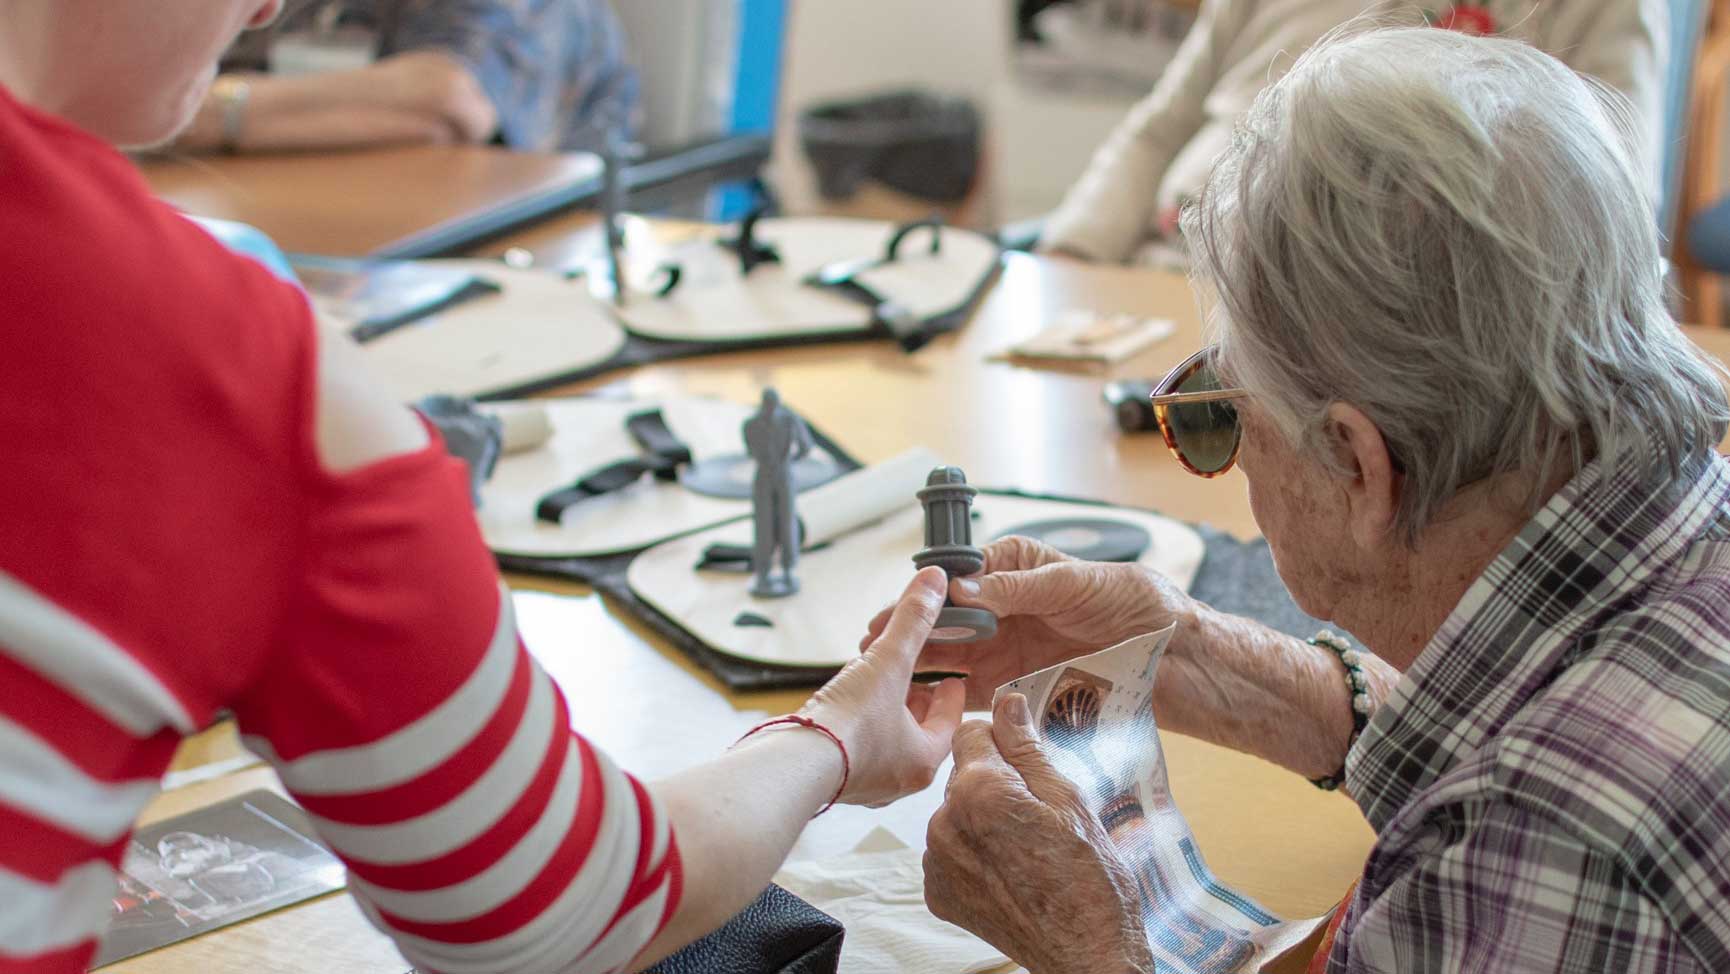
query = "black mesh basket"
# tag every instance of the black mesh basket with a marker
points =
(918, 143)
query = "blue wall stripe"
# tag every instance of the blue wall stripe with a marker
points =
(762, 37)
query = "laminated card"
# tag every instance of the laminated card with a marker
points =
(1095, 714)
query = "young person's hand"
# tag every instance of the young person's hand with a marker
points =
(897, 732)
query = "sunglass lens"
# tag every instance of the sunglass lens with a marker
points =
(1206, 433)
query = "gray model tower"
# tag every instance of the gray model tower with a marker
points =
(948, 501)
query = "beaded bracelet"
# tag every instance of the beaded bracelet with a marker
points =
(808, 723)
(1357, 685)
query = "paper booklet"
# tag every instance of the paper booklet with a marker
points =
(1091, 338)
(1095, 714)
(212, 867)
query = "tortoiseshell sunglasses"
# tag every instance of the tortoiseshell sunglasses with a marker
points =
(1197, 417)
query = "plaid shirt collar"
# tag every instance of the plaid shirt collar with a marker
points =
(1589, 548)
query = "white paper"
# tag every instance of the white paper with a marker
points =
(878, 893)
(1087, 336)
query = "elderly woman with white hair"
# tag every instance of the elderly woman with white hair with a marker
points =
(1474, 439)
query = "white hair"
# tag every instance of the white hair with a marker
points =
(1452, 234)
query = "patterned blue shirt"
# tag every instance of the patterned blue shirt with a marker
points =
(557, 71)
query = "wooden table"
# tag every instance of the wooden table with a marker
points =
(403, 202)
(1263, 830)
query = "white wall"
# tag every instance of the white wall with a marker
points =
(1044, 142)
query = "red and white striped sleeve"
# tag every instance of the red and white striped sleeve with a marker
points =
(170, 546)
(437, 758)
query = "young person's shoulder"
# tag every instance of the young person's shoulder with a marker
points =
(107, 284)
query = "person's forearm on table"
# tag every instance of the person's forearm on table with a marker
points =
(735, 820)
(345, 128)
(1242, 685)
(415, 98)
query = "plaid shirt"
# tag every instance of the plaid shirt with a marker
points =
(557, 71)
(1550, 782)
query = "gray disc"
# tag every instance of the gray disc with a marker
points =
(730, 476)
(1088, 538)
(959, 624)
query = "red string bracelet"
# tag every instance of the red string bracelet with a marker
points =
(808, 723)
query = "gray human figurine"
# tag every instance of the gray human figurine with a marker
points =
(774, 437)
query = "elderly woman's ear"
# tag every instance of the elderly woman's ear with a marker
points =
(1370, 481)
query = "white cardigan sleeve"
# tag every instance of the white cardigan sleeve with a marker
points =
(1109, 211)
(1624, 44)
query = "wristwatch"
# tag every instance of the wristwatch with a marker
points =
(231, 94)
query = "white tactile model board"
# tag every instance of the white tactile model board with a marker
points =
(845, 583)
(538, 326)
(589, 433)
(714, 303)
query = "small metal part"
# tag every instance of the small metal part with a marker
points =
(1129, 404)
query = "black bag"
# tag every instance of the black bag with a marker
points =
(918, 143)
(778, 934)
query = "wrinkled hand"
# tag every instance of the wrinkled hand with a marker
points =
(897, 733)
(1014, 857)
(1050, 608)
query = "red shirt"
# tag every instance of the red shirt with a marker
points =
(170, 545)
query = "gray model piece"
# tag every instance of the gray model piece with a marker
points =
(470, 435)
(948, 501)
(617, 151)
(774, 437)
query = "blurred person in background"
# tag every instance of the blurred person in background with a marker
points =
(1124, 207)
(535, 75)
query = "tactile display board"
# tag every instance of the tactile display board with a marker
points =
(587, 434)
(538, 325)
(845, 583)
(714, 303)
